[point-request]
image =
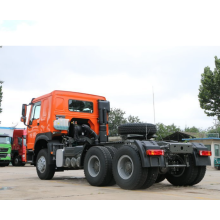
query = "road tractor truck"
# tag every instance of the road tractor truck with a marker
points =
(69, 131)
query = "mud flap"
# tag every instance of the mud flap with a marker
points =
(200, 160)
(149, 161)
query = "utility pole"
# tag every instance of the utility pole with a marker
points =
(215, 124)
(153, 104)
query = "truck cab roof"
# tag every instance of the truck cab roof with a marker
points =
(69, 94)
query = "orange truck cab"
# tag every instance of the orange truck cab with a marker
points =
(61, 113)
(69, 131)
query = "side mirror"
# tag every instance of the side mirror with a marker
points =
(24, 110)
(23, 113)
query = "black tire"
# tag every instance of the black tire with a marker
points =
(127, 168)
(16, 161)
(218, 167)
(137, 128)
(187, 177)
(22, 164)
(98, 166)
(112, 151)
(160, 178)
(200, 175)
(151, 177)
(2, 165)
(44, 171)
(7, 164)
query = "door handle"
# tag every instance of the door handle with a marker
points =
(38, 124)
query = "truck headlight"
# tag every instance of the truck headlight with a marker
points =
(8, 155)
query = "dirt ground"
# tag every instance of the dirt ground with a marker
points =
(22, 183)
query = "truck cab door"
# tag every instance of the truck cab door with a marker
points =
(34, 125)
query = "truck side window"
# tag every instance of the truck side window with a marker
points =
(35, 114)
(80, 106)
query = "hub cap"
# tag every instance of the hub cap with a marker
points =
(41, 164)
(94, 166)
(125, 167)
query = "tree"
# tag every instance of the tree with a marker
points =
(165, 130)
(116, 117)
(1, 95)
(133, 119)
(192, 129)
(209, 90)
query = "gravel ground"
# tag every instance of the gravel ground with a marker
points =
(22, 183)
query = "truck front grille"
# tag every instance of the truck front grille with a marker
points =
(3, 155)
(3, 149)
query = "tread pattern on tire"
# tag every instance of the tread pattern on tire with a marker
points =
(124, 184)
(151, 178)
(144, 171)
(112, 150)
(137, 128)
(160, 178)
(107, 177)
(200, 176)
(50, 170)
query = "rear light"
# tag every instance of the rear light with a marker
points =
(205, 153)
(155, 152)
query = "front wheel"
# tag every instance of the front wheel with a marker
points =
(44, 170)
(15, 161)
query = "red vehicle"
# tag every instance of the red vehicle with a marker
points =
(18, 153)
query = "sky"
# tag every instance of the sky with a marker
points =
(125, 53)
(126, 76)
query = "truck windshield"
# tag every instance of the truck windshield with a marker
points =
(4, 140)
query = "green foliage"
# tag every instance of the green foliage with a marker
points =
(209, 90)
(1, 95)
(133, 119)
(116, 117)
(165, 130)
(192, 129)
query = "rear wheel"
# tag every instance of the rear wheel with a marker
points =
(200, 175)
(44, 170)
(127, 168)
(112, 151)
(151, 177)
(185, 176)
(98, 166)
(160, 178)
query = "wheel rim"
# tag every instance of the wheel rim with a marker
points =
(125, 167)
(178, 171)
(94, 166)
(16, 161)
(41, 164)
